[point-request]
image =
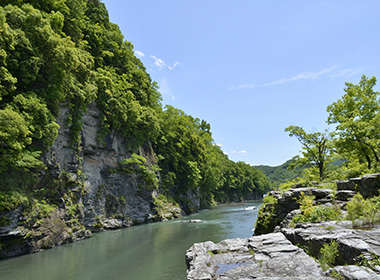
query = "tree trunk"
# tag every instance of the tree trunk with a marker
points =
(373, 151)
(320, 166)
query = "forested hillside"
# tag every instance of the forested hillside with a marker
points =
(64, 68)
(277, 175)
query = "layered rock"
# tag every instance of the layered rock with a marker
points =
(269, 256)
(367, 186)
(279, 255)
(354, 245)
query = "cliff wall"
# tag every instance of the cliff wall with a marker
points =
(91, 192)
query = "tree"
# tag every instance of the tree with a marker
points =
(357, 116)
(14, 137)
(316, 147)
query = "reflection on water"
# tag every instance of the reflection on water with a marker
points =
(146, 252)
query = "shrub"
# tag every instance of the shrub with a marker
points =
(269, 199)
(328, 255)
(266, 220)
(138, 164)
(363, 212)
(10, 200)
(315, 214)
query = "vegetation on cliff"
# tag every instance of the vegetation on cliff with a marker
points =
(66, 53)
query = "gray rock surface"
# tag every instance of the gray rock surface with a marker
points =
(112, 200)
(353, 244)
(279, 255)
(269, 256)
(368, 185)
(354, 272)
(275, 256)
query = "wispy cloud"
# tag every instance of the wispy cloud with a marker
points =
(173, 66)
(331, 72)
(139, 54)
(239, 152)
(349, 72)
(161, 64)
(158, 62)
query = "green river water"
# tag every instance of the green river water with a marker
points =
(146, 252)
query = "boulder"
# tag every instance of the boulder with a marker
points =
(345, 185)
(344, 195)
(368, 185)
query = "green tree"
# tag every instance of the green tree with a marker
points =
(357, 118)
(316, 147)
(15, 136)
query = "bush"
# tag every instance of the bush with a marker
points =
(268, 199)
(328, 255)
(10, 200)
(138, 165)
(266, 219)
(315, 214)
(363, 212)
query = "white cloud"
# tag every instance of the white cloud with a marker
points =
(139, 54)
(173, 66)
(158, 62)
(331, 72)
(239, 152)
(161, 64)
(349, 72)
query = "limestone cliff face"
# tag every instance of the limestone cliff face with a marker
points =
(111, 199)
(89, 191)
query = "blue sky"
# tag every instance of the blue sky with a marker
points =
(252, 68)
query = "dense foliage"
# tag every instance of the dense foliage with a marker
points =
(191, 163)
(67, 53)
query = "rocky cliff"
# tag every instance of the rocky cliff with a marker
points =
(112, 199)
(92, 192)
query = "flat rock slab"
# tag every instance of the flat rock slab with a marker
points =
(353, 272)
(269, 256)
(353, 244)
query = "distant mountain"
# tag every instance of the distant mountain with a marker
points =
(277, 175)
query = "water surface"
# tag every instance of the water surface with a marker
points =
(146, 252)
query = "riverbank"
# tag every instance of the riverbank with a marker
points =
(289, 248)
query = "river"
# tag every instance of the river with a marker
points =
(145, 252)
